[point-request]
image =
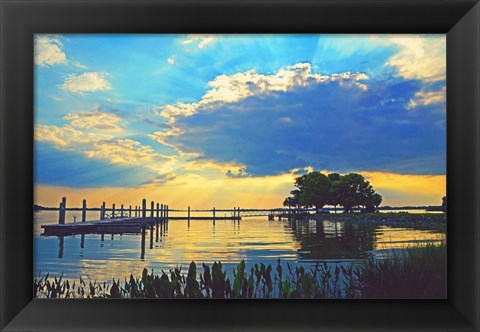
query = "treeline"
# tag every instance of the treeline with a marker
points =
(350, 191)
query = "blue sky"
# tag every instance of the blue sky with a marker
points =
(183, 111)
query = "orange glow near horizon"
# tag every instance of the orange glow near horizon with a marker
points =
(404, 189)
(201, 192)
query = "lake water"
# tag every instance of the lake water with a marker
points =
(255, 239)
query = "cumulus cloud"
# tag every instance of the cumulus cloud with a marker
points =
(329, 127)
(124, 151)
(419, 57)
(103, 146)
(425, 98)
(237, 87)
(48, 51)
(86, 82)
(251, 124)
(200, 40)
(233, 90)
(91, 134)
(95, 120)
(59, 136)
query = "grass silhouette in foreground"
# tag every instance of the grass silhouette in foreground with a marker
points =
(418, 272)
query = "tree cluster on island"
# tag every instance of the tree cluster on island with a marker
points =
(350, 191)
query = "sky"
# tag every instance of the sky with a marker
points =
(231, 120)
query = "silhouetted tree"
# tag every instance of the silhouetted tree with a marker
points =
(299, 182)
(290, 201)
(333, 196)
(315, 190)
(377, 200)
(296, 197)
(353, 190)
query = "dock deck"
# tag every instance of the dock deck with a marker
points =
(116, 225)
(122, 225)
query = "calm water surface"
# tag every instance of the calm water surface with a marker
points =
(255, 239)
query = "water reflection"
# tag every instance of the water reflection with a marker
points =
(177, 243)
(142, 252)
(61, 242)
(320, 240)
(82, 241)
(327, 240)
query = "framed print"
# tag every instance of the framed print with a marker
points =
(240, 166)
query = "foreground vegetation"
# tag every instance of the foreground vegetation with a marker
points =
(418, 272)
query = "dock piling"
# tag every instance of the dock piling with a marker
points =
(84, 210)
(123, 214)
(60, 208)
(61, 211)
(189, 215)
(152, 209)
(214, 215)
(144, 211)
(102, 212)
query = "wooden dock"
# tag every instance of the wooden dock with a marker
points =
(118, 225)
(123, 220)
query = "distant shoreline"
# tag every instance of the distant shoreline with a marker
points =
(395, 219)
(429, 208)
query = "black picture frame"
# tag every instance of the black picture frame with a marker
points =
(460, 20)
